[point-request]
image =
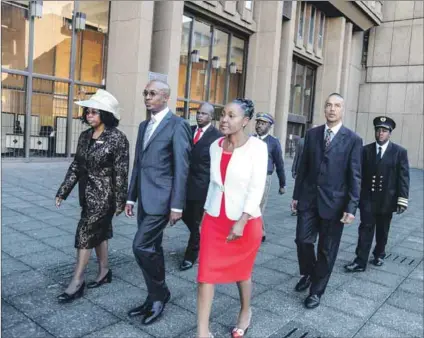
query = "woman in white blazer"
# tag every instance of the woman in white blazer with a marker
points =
(231, 230)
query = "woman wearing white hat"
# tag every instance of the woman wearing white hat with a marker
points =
(101, 169)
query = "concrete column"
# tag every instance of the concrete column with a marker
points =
(166, 43)
(347, 49)
(329, 75)
(263, 56)
(284, 77)
(130, 34)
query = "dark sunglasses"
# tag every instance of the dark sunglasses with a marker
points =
(149, 92)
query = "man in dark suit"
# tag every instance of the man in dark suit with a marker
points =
(385, 189)
(264, 122)
(158, 183)
(326, 196)
(204, 134)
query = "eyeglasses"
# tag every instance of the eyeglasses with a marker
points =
(92, 112)
(152, 93)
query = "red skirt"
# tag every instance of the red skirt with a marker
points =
(227, 262)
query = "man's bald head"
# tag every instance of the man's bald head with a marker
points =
(204, 114)
(156, 96)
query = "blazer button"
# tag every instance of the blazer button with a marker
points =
(372, 189)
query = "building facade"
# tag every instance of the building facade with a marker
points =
(286, 56)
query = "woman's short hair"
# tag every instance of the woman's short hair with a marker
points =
(107, 118)
(247, 105)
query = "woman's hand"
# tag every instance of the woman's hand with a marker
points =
(237, 230)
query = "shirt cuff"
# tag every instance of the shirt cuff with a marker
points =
(131, 202)
(176, 210)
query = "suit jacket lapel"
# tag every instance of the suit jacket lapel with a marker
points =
(387, 154)
(205, 136)
(159, 128)
(320, 131)
(336, 139)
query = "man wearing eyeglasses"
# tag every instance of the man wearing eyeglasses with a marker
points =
(204, 134)
(158, 183)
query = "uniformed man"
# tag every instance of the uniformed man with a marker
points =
(385, 189)
(264, 122)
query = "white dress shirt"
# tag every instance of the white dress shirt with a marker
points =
(334, 130)
(158, 119)
(263, 137)
(383, 148)
(203, 131)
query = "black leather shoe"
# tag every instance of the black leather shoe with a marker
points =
(67, 298)
(312, 301)
(185, 265)
(378, 261)
(354, 267)
(303, 284)
(104, 280)
(140, 310)
(155, 311)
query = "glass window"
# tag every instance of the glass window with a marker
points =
(201, 46)
(302, 89)
(14, 35)
(298, 89)
(312, 26)
(92, 42)
(248, 5)
(321, 30)
(236, 68)
(52, 39)
(219, 67)
(301, 20)
(185, 40)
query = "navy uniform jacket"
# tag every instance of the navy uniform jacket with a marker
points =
(275, 158)
(385, 185)
(199, 174)
(329, 179)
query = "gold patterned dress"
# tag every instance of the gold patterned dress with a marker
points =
(100, 168)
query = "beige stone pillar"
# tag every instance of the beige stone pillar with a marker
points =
(166, 43)
(130, 33)
(329, 75)
(263, 56)
(347, 49)
(284, 77)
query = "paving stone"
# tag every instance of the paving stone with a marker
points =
(407, 252)
(121, 329)
(263, 323)
(262, 258)
(131, 273)
(418, 273)
(267, 276)
(118, 298)
(81, 319)
(10, 220)
(46, 232)
(279, 303)
(399, 319)
(125, 230)
(370, 330)
(26, 329)
(407, 301)
(217, 329)
(174, 321)
(12, 265)
(42, 301)
(23, 282)
(220, 304)
(330, 322)
(295, 329)
(26, 248)
(367, 289)
(394, 268)
(120, 242)
(350, 303)
(274, 249)
(413, 286)
(30, 224)
(10, 316)
(50, 258)
(289, 267)
(379, 277)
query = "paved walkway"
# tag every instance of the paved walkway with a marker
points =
(38, 258)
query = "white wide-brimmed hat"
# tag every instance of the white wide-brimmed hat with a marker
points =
(102, 100)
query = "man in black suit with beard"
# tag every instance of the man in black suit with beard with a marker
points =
(385, 189)
(204, 134)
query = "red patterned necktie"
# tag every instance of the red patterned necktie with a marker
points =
(197, 136)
